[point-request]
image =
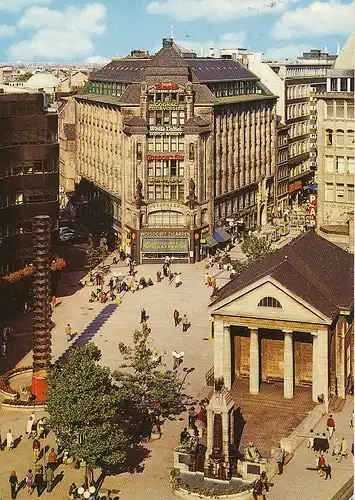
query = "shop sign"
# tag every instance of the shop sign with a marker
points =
(166, 86)
(312, 209)
(166, 106)
(165, 245)
(164, 180)
(295, 186)
(165, 157)
(165, 130)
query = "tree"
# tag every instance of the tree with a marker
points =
(25, 76)
(145, 386)
(82, 402)
(254, 249)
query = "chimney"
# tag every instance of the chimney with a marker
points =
(167, 43)
(211, 52)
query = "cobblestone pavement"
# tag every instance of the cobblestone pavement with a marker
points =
(159, 301)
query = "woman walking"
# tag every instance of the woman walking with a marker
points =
(30, 481)
(13, 484)
(9, 440)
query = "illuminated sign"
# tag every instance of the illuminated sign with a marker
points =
(165, 130)
(293, 187)
(165, 157)
(166, 86)
(164, 180)
(165, 106)
(312, 209)
(165, 245)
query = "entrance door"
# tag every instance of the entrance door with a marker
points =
(303, 354)
(272, 355)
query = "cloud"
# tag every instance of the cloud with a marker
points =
(6, 31)
(212, 10)
(60, 34)
(97, 60)
(227, 40)
(290, 52)
(16, 5)
(317, 19)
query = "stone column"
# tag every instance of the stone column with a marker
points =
(254, 361)
(288, 364)
(222, 353)
(227, 361)
(322, 363)
(314, 367)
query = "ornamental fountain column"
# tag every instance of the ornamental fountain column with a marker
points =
(42, 305)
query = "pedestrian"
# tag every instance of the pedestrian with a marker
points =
(73, 491)
(310, 443)
(13, 484)
(30, 423)
(321, 464)
(343, 449)
(185, 323)
(177, 280)
(158, 276)
(328, 471)
(68, 332)
(40, 428)
(36, 446)
(30, 480)
(52, 458)
(9, 440)
(177, 359)
(336, 449)
(176, 317)
(38, 481)
(330, 425)
(280, 457)
(49, 478)
(111, 284)
(143, 315)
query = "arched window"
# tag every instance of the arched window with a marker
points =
(340, 137)
(166, 218)
(269, 302)
(329, 137)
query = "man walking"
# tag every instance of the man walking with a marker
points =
(343, 449)
(328, 471)
(36, 446)
(68, 332)
(49, 478)
(13, 484)
(52, 459)
(330, 425)
(143, 315)
(279, 457)
(185, 323)
(176, 317)
(29, 428)
(9, 440)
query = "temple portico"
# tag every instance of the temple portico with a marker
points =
(280, 322)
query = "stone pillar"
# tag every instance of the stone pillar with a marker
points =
(288, 365)
(227, 361)
(222, 353)
(328, 84)
(320, 365)
(314, 367)
(254, 361)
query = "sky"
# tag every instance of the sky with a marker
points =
(81, 31)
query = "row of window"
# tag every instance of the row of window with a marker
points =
(296, 91)
(234, 88)
(166, 143)
(31, 136)
(105, 88)
(29, 167)
(166, 168)
(339, 192)
(300, 128)
(241, 202)
(337, 109)
(339, 165)
(298, 169)
(298, 148)
(337, 138)
(304, 72)
(166, 218)
(342, 84)
(296, 110)
(166, 98)
(29, 196)
(282, 156)
(21, 227)
(167, 117)
(282, 139)
(166, 192)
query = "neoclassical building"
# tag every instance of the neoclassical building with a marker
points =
(289, 318)
(169, 146)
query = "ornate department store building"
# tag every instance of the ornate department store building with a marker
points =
(169, 146)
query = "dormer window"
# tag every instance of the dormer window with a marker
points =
(269, 302)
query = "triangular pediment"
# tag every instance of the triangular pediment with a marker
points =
(245, 303)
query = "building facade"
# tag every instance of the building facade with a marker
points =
(335, 149)
(28, 174)
(289, 319)
(282, 168)
(168, 147)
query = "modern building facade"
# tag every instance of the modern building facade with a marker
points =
(28, 174)
(289, 319)
(335, 149)
(282, 168)
(293, 83)
(169, 146)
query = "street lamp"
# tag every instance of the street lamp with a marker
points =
(89, 494)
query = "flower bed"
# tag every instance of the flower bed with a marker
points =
(5, 387)
(57, 265)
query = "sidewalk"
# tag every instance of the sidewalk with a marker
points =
(299, 483)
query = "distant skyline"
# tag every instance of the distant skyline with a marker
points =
(80, 31)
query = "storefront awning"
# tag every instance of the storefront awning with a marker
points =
(211, 242)
(221, 235)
